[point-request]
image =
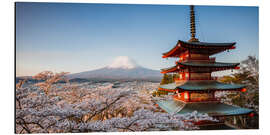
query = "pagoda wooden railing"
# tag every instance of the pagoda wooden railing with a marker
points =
(197, 59)
(208, 78)
(196, 100)
(194, 79)
(180, 81)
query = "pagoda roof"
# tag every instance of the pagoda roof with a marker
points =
(208, 64)
(183, 65)
(170, 86)
(204, 47)
(170, 69)
(207, 44)
(202, 85)
(210, 108)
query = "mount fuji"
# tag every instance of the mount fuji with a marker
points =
(122, 68)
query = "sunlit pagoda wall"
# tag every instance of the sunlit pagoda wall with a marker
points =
(200, 76)
(193, 76)
(201, 96)
(199, 56)
(195, 96)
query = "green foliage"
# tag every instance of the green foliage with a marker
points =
(168, 78)
(165, 79)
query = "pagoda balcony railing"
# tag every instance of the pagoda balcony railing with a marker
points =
(213, 59)
(196, 100)
(204, 100)
(180, 81)
(204, 78)
(208, 78)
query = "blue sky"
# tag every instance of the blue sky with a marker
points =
(82, 37)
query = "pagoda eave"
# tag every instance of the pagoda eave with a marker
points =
(168, 90)
(215, 65)
(170, 70)
(207, 45)
(215, 109)
(209, 85)
(211, 48)
(202, 86)
(211, 66)
(209, 90)
(168, 87)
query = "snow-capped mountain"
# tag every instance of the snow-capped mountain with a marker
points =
(122, 68)
(123, 62)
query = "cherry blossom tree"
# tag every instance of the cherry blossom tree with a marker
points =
(52, 107)
(249, 76)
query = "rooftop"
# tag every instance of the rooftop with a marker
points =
(202, 85)
(206, 44)
(208, 64)
(211, 108)
(214, 66)
(204, 47)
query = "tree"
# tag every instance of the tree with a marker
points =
(168, 78)
(165, 79)
(51, 107)
(249, 76)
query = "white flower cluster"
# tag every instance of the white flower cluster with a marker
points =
(73, 107)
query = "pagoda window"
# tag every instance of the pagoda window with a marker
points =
(184, 56)
(181, 58)
(200, 76)
(178, 94)
(186, 96)
(181, 76)
(201, 96)
(196, 56)
(200, 70)
(186, 76)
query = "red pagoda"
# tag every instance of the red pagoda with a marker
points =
(195, 88)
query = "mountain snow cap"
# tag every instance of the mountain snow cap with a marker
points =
(124, 62)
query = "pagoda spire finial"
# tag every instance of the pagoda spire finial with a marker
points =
(192, 25)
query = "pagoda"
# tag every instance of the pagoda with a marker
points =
(195, 88)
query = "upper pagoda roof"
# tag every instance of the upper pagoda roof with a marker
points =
(205, 44)
(204, 48)
(210, 108)
(202, 85)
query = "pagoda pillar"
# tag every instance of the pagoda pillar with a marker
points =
(234, 120)
(189, 54)
(189, 74)
(213, 95)
(188, 96)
